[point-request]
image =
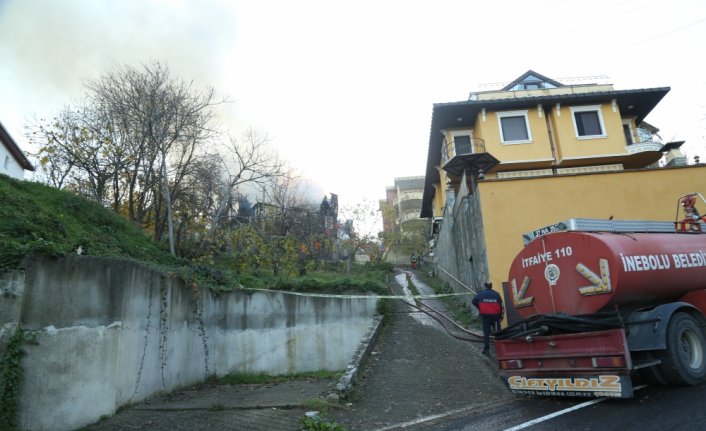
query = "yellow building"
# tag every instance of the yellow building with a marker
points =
(534, 153)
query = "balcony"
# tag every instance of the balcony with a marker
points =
(466, 154)
(646, 141)
(409, 215)
(408, 196)
(643, 148)
(411, 204)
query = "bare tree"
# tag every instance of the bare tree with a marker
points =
(55, 164)
(119, 98)
(195, 203)
(360, 229)
(245, 161)
(287, 191)
(166, 119)
(408, 237)
(143, 143)
(73, 148)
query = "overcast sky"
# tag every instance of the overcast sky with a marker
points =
(345, 88)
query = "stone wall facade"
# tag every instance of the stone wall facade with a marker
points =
(459, 254)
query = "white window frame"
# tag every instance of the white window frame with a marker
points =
(505, 114)
(588, 108)
(461, 132)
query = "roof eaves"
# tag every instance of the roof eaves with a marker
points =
(432, 174)
(14, 149)
(551, 97)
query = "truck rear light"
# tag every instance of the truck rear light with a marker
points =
(512, 364)
(608, 362)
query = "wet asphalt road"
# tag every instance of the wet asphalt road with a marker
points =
(653, 408)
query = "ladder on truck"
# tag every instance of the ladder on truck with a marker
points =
(692, 221)
(615, 226)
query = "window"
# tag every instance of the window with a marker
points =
(532, 82)
(462, 144)
(627, 131)
(628, 134)
(514, 127)
(7, 162)
(588, 122)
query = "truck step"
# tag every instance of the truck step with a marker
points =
(636, 365)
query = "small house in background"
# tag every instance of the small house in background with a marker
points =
(405, 233)
(361, 256)
(13, 162)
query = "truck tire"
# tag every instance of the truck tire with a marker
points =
(684, 361)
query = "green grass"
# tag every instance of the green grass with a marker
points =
(321, 405)
(455, 306)
(37, 219)
(321, 424)
(40, 219)
(334, 283)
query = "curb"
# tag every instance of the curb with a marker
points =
(362, 353)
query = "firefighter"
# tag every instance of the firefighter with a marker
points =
(490, 307)
(688, 204)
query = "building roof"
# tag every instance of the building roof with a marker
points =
(639, 103)
(407, 183)
(10, 144)
(669, 146)
(531, 76)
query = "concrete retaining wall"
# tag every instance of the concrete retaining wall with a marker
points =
(460, 253)
(115, 332)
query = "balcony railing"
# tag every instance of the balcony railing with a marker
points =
(646, 141)
(462, 145)
(408, 196)
(466, 154)
(409, 215)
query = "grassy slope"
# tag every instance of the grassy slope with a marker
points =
(35, 218)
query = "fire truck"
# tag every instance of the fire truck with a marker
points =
(604, 300)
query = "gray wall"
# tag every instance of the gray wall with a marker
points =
(114, 332)
(397, 258)
(459, 253)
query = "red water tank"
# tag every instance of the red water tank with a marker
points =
(582, 272)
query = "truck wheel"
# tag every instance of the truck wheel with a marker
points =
(684, 361)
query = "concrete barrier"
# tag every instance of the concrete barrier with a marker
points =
(114, 332)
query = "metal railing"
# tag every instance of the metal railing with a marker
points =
(470, 289)
(463, 145)
(644, 136)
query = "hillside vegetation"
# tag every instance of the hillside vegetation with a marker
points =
(37, 219)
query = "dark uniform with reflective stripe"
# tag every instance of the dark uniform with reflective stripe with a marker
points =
(490, 307)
